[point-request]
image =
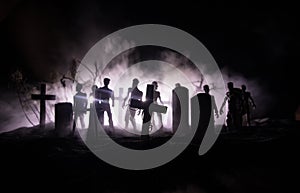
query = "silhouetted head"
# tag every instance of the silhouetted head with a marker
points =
(206, 88)
(244, 87)
(106, 81)
(230, 85)
(177, 85)
(78, 87)
(155, 85)
(135, 82)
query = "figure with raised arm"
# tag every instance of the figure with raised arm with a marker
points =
(133, 93)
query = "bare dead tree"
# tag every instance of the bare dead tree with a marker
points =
(96, 73)
(22, 89)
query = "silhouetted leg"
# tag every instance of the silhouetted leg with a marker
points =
(74, 122)
(159, 116)
(153, 124)
(239, 120)
(127, 116)
(234, 120)
(81, 117)
(92, 132)
(132, 119)
(101, 117)
(110, 121)
(248, 118)
(100, 113)
(229, 121)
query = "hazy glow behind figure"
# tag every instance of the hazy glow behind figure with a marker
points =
(123, 79)
(166, 84)
(121, 75)
(167, 77)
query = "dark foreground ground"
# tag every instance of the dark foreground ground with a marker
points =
(259, 159)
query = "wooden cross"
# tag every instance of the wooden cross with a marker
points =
(42, 97)
(148, 108)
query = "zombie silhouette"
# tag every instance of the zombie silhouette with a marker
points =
(80, 106)
(213, 101)
(133, 93)
(247, 101)
(92, 133)
(234, 114)
(156, 96)
(103, 95)
(92, 98)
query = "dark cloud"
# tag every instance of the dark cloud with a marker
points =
(257, 41)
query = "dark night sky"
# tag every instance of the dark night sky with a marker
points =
(259, 41)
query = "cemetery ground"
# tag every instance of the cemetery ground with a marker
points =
(255, 159)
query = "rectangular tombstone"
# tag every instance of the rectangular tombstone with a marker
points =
(63, 119)
(201, 115)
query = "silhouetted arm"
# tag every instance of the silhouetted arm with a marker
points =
(223, 104)
(159, 97)
(214, 106)
(112, 99)
(160, 100)
(125, 99)
(252, 101)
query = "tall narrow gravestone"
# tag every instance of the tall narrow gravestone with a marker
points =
(180, 106)
(148, 108)
(201, 115)
(63, 119)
